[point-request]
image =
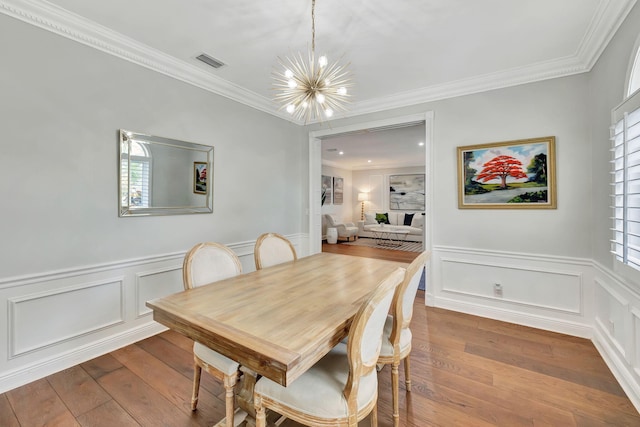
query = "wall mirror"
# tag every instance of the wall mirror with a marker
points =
(163, 176)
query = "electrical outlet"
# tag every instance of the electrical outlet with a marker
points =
(497, 290)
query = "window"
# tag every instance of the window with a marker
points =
(139, 160)
(625, 137)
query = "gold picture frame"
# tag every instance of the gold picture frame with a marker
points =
(516, 174)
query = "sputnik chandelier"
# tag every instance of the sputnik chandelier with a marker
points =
(308, 90)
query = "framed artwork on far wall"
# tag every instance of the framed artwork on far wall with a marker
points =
(406, 192)
(200, 177)
(338, 193)
(517, 174)
(326, 190)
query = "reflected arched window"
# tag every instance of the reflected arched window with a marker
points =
(139, 175)
(634, 75)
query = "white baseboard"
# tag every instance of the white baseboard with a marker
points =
(42, 368)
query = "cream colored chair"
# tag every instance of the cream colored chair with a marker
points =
(396, 340)
(345, 230)
(207, 263)
(342, 388)
(272, 249)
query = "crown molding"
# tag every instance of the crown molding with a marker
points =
(64, 23)
(608, 17)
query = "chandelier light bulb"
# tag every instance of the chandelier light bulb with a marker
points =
(310, 88)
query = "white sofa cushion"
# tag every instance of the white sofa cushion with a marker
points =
(370, 219)
(417, 221)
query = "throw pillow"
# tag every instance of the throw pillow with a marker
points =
(382, 218)
(369, 218)
(418, 221)
(408, 218)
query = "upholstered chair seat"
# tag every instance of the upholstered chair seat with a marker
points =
(342, 387)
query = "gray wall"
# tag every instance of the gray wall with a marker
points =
(555, 107)
(607, 89)
(61, 106)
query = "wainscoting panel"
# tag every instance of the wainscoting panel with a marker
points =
(521, 285)
(156, 284)
(546, 292)
(39, 320)
(612, 316)
(61, 318)
(617, 329)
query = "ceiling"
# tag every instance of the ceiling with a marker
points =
(401, 146)
(401, 52)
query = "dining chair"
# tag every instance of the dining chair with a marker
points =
(396, 338)
(342, 387)
(206, 263)
(272, 249)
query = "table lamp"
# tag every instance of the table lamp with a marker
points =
(362, 197)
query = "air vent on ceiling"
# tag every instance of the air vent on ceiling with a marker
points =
(209, 60)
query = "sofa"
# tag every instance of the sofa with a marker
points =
(413, 222)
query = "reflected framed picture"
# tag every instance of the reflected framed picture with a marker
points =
(508, 175)
(200, 177)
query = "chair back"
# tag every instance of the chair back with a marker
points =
(207, 263)
(272, 249)
(365, 335)
(402, 306)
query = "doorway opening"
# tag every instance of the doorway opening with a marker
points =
(315, 170)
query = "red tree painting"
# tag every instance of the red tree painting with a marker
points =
(502, 167)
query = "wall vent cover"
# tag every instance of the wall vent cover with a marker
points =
(210, 60)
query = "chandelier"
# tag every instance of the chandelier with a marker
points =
(310, 90)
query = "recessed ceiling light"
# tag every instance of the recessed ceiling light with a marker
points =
(420, 144)
(368, 161)
(341, 153)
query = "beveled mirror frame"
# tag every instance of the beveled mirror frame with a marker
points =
(198, 202)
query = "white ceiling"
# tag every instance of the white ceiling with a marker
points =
(376, 148)
(401, 52)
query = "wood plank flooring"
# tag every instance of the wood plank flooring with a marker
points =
(466, 371)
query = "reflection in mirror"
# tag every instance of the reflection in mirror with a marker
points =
(163, 176)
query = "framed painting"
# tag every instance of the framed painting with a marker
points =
(326, 190)
(406, 192)
(508, 175)
(200, 177)
(338, 193)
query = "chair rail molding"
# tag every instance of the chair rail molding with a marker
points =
(98, 308)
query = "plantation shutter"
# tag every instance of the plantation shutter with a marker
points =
(625, 137)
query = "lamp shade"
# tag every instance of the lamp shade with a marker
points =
(363, 197)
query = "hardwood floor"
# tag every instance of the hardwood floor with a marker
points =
(466, 371)
(386, 254)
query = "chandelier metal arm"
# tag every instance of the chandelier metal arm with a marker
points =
(310, 90)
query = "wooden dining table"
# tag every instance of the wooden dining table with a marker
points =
(279, 321)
